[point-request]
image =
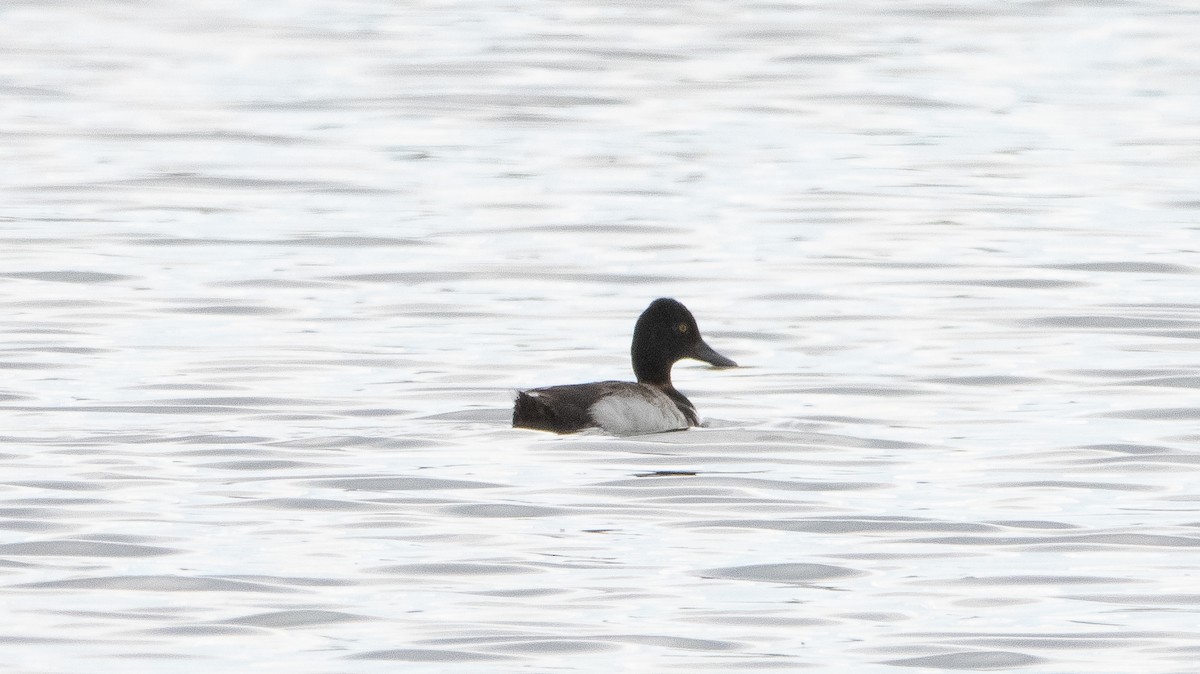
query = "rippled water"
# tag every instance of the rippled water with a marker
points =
(272, 271)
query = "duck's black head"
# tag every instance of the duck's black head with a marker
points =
(665, 333)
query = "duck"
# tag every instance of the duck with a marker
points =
(664, 334)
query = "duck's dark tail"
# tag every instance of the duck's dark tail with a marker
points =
(541, 411)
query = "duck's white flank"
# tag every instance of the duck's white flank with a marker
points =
(637, 410)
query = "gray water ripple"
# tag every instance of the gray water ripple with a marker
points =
(1172, 334)
(239, 401)
(164, 583)
(42, 508)
(696, 484)
(133, 409)
(1018, 283)
(748, 439)
(799, 573)
(1160, 413)
(275, 284)
(33, 526)
(1143, 600)
(734, 619)
(521, 593)
(296, 618)
(457, 569)
(193, 631)
(1129, 448)
(399, 483)
(492, 276)
(1144, 462)
(24, 639)
(83, 548)
(195, 181)
(262, 465)
(1101, 322)
(505, 642)
(676, 642)
(1126, 266)
(847, 525)
(79, 350)
(68, 276)
(989, 581)
(342, 442)
(62, 485)
(205, 439)
(1052, 643)
(1034, 524)
(987, 380)
(308, 504)
(230, 310)
(429, 655)
(970, 660)
(30, 365)
(1124, 540)
(552, 647)
(505, 510)
(1173, 382)
(313, 241)
(1072, 484)
(294, 581)
(866, 391)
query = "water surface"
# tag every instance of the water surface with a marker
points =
(271, 274)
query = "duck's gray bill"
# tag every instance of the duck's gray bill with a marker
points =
(705, 353)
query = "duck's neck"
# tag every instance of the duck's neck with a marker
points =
(649, 371)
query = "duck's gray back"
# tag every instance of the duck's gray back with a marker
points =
(618, 407)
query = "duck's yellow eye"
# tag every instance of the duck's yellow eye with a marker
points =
(682, 328)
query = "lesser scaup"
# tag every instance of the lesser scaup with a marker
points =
(665, 333)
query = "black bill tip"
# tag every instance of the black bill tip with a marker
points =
(706, 353)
